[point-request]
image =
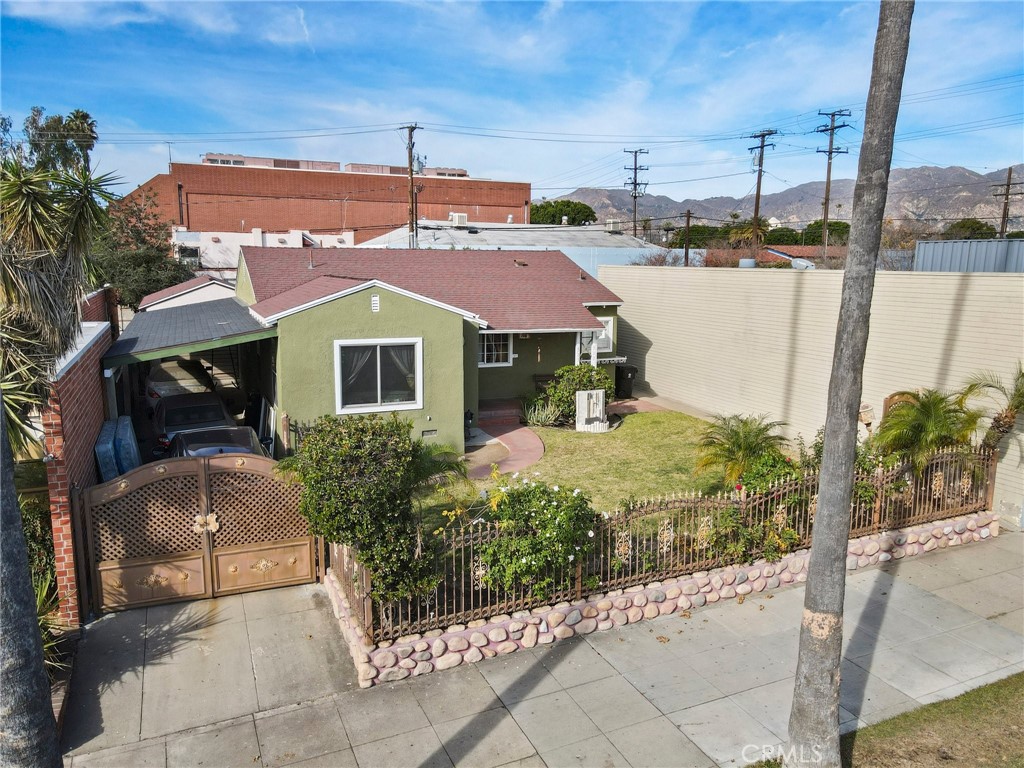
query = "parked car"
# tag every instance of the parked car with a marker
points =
(176, 376)
(212, 442)
(183, 413)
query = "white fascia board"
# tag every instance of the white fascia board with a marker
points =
(364, 286)
(603, 303)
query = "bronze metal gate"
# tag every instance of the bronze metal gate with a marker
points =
(183, 529)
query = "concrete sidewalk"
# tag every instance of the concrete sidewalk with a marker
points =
(263, 679)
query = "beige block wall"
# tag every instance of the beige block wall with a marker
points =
(761, 341)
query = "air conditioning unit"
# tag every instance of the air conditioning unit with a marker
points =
(460, 219)
(613, 225)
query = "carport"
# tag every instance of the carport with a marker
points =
(214, 331)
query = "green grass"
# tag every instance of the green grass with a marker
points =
(650, 454)
(982, 728)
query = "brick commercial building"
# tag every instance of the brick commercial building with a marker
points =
(211, 197)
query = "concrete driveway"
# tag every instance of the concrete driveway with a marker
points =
(264, 679)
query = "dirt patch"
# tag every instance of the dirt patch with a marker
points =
(482, 456)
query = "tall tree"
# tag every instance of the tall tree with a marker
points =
(838, 232)
(47, 221)
(814, 719)
(58, 143)
(133, 252)
(552, 211)
(969, 229)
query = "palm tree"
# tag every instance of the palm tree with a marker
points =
(923, 422)
(735, 442)
(48, 221)
(1010, 402)
(814, 716)
(745, 231)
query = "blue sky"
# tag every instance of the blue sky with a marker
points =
(548, 93)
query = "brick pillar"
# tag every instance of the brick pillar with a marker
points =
(71, 421)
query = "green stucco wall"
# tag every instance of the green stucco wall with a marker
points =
(541, 354)
(516, 380)
(305, 358)
(243, 285)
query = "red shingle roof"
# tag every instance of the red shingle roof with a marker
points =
(175, 290)
(510, 290)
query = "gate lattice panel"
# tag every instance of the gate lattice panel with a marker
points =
(190, 528)
(259, 538)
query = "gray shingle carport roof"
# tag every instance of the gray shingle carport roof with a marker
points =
(181, 330)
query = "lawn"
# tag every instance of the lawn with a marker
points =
(649, 454)
(982, 728)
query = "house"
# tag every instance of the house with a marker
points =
(198, 289)
(429, 336)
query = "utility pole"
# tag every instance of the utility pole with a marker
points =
(686, 240)
(761, 136)
(410, 144)
(830, 129)
(637, 188)
(1006, 193)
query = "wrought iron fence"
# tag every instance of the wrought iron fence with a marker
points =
(667, 537)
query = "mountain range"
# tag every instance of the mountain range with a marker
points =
(926, 199)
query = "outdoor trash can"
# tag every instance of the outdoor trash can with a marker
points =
(624, 376)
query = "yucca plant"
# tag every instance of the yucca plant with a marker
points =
(1009, 402)
(924, 422)
(47, 604)
(736, 442)
(540, 413)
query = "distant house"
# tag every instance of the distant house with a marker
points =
(427, 335)
(198, 289)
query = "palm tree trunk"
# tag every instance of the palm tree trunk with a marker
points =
(814, 720)
(28, 732)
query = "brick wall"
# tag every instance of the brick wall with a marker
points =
(94, 306)
(219, 199)
(71, 423)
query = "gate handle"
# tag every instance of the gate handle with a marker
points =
(206, 523)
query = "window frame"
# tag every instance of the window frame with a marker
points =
(511, 355)
(583, 350)
(379, 407)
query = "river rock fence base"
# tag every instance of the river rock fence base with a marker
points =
(439, 649)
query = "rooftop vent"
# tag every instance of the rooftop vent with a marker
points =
(520, 263)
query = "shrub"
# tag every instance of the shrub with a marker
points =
(358, 477)
(35, 522)
(737, 540)
(545, 532)
(736, 442)
(769, 468)
(571, 379)
(540, 413)
(47, 603)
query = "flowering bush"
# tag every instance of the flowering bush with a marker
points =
(545, 532)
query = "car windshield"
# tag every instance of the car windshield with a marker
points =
(193, 414)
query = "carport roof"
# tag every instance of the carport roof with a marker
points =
(181, 330)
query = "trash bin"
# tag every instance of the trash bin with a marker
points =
(624, 377)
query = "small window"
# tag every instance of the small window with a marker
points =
(604, 337)
(378, 375)
(494, 349)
